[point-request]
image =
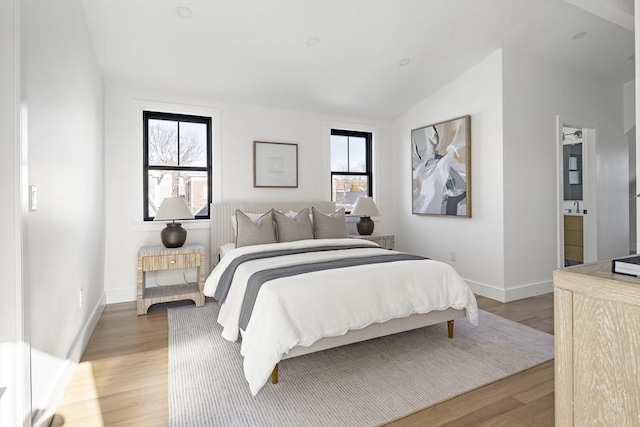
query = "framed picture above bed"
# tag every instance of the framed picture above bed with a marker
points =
(441, 168)
(275, 164)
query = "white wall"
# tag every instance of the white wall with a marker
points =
(478, 241)
(508, 249)
(636, 20)
(535, 92)
(632, 191)
(629, 101)
(235, 129)
(629, 128)
(65, 243)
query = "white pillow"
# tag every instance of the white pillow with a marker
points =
(292, 214)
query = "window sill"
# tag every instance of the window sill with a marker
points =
(197, 224)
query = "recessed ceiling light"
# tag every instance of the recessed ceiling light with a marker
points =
(184, 12)
(312, 41)
(579, 35)
(404, 62)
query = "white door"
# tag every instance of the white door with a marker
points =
(576, 157)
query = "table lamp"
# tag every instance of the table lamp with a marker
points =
(365, 207)
(172, 208)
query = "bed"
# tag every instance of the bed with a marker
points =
(321, 307)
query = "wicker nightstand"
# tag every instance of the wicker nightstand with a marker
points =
(154, 258)
(386, 241)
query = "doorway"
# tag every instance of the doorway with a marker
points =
(576, 157)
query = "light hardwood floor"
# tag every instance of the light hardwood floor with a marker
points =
(122, 377)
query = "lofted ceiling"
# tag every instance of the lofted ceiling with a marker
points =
(343, 57)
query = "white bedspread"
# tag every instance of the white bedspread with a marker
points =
(299, 310)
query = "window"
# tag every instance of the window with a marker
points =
(177, 161)
(351, 175)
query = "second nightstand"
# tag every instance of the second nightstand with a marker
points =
(386, 241)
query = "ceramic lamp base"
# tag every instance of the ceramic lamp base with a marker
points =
(365, 226)
(173, 236)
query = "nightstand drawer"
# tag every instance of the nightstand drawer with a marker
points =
(165, 262)
(386, 241)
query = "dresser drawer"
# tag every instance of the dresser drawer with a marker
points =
(165, 262)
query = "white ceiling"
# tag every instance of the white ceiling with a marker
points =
(255, 51)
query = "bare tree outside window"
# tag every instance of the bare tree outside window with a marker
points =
(177, 161)
(165, 150)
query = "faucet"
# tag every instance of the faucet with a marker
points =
(577, 205)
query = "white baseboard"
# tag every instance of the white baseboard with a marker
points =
(486, 290)
(115, 296)
(70, 364)
(529, 290)
(511, 294)
(81, 341)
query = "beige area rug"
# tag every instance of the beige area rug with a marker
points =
(362, 384)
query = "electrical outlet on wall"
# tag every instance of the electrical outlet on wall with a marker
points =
(453, 255)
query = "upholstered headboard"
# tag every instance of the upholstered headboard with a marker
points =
(222, 229)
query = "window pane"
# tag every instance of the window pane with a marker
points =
(339, 156)
(191, 185)
(193, 144)
(347, 189)
(357, 154)
(163, 143)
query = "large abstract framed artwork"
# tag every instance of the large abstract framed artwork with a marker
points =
(275, 164)
(441, 168)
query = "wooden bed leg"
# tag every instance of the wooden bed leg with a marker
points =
(449, 330)
(274, 375)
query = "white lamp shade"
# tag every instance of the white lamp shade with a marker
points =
(173, 208)
(365, 206)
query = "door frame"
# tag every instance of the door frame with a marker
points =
(15, 349)
(590, 220)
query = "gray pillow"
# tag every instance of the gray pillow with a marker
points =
(332, 226)
(255, 233)
(234, 221)
(296, 228)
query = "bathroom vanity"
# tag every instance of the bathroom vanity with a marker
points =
(573, 239)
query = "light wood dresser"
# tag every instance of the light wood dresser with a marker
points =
(597, 346)
(154, 258)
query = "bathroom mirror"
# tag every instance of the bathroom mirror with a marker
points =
(572, 159)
